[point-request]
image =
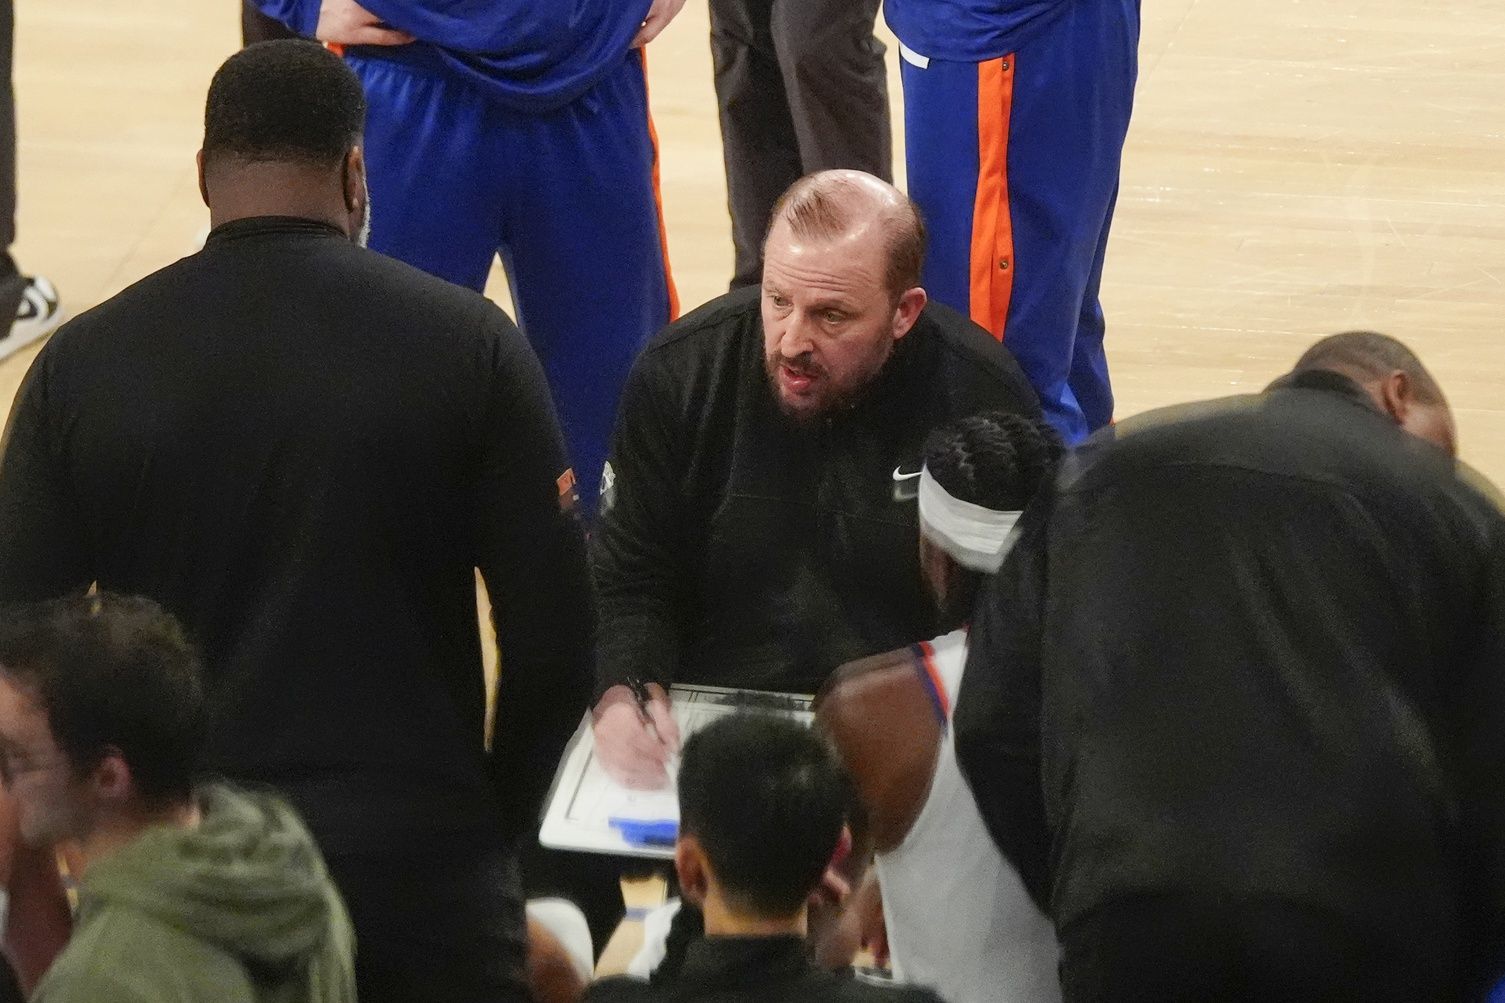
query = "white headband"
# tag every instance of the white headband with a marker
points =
(976, 537)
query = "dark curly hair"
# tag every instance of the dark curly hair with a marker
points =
(994, 459)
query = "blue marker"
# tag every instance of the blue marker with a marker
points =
(646, 832)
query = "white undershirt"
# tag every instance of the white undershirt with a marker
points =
(959, 919)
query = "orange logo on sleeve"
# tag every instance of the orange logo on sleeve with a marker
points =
(568, 496)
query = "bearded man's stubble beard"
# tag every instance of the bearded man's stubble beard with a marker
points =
(833, 402)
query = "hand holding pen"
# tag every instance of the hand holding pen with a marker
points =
(636, 734)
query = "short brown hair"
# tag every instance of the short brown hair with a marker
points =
(820, 207)
(113, 671)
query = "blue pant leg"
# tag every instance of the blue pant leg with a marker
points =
(949, 162)
(1089, 380)
(583, 248)
(940, 133)
(1073, 93)
(435, 195)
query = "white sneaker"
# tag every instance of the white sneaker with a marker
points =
(36, 317)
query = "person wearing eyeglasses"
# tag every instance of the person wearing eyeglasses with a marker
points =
(189, 892)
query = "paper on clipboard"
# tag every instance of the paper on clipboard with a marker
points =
(584, 799)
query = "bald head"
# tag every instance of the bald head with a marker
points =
(1366, 356)
(832, 205)
(1394, 378)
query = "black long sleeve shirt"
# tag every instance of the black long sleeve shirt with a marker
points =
(737, 548)
(748, 969)
(1254, 649)
(304, 450)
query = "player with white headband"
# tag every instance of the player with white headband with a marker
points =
(956, 915)
(974, 536)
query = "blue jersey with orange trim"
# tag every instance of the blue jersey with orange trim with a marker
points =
(532, 55)
(967, 31)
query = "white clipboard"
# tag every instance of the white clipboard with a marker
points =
(583, 798)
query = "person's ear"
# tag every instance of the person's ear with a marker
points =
(844, 845)
(693, 871)
(203, 183)
(1429, 420)
(1394, 393)
(355, 181)
(111, 777)
(908, 311)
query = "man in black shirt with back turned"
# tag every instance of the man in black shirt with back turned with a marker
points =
(1236, 703)
(304, 450)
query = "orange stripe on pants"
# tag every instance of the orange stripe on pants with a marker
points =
(658, 198)
(992, 228)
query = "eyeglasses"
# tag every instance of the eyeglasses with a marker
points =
(14, 765)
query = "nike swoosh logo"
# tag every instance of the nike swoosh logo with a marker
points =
(900, 475)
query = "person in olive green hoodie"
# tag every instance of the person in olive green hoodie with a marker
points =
(186, 894)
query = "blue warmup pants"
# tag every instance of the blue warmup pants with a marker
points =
(1014, 163)
(568, 198)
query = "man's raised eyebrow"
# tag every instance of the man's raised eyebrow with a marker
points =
(838, 304)
(833, 301)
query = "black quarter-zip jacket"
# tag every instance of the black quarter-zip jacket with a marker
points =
(737, 547)
(1253, 650)
(304, 450)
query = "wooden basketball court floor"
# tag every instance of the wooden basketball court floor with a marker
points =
(1295, 167)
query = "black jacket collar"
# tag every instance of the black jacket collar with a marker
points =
(713, 961)
(1327, 380)
(253, 226)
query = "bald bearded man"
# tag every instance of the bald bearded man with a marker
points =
(749, 533)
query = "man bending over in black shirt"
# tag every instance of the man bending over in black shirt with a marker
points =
(1235, 702)
(304, 450)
